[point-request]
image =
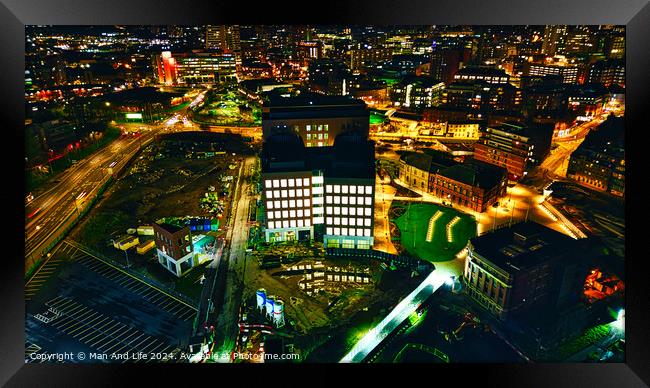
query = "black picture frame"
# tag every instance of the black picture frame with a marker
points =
(634, 14)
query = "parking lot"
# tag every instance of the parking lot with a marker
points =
(43, 274)
(84, 304)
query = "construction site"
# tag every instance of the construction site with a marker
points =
(182, 176)
(299, 297)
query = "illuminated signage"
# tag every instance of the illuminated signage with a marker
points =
(134, 116)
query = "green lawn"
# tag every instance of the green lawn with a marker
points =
(413, 226)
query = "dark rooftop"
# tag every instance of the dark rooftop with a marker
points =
(475, 173)
(308, 100)
(523, 245)
(428, 160)
(169, 227)
(482, 70)
(351, 156)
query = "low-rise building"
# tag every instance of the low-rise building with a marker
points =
(523, 267)
(514, 146)
(474, 184)
(174, 247)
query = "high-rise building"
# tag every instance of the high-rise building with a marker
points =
(607, 72)
(568, 71)
(554, 39)
(482, 73)
(224, 38)
(195, 68)
(326, 193)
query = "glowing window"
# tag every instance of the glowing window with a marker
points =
(284, 194)
(359, 189)
(366, 232)
(307, 222)
(269, 194)
(285, 224)
(344, 211)
(353, 189)
(337, 189)
(305, 182)
(271, 225)
(293, 223)
(353, 200)
(368, 201)
(353, 211)
(268, 183)
(337, 211)
(307, 212)
(285, 204)
(328, 199)
(329, 220)
(276, 204)
(353, 221)
(344, 220)
(285, 213)
(344, 189)
(269, 205)
(301, 223)
(367, 222)
(291, 182)
(292, 213)
(328, 188)
(337, 200)
(367, 211)
(270, 215)
(307, 203)
(299, 203)
(292, 193)
(299, 212)
(337, 221)
(283, 183)
(278, 214)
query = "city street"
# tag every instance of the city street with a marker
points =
(237, 236)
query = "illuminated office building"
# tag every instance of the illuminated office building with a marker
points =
(195, 68)
(324, 193)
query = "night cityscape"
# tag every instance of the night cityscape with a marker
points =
(324, 194)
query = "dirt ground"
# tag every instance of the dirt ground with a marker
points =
(155, 185)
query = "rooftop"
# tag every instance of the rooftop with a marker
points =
(475, 173)
(309, 100)
(523, 245)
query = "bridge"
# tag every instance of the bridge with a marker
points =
(399, 314)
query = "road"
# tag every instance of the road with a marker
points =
(237, 236)
(59, 203)
(57, 206)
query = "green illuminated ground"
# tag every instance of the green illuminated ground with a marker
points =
(413, 226)
(376, 118)
(229, 108)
